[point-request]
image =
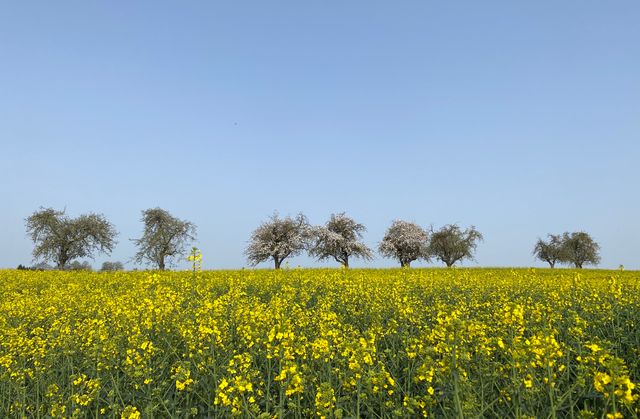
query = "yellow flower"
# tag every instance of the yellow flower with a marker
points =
(594, 347)
(130, 412)
(181, 385)
(600, 380)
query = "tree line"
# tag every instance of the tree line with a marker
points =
(575, 249)
(62, 240)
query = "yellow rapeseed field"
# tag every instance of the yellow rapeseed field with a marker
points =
(320, 343)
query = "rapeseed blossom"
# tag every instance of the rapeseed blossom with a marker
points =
(320, 343)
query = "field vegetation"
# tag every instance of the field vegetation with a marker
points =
(320, 343)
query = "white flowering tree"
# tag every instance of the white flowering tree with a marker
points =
(405, 242)
(340, 239)
(278, 238)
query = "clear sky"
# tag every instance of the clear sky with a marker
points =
(521, 118)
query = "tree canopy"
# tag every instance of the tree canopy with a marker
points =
(164, 238)
(451, 244)
(61, 239)
(340, 239)
(549, 251)
(278, 238)
(405, 242)
(580, 249)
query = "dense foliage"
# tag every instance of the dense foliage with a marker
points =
(324, 343)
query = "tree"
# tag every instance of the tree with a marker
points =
(450, 244)
(112, 267)
(61, 239)
(339, 239)
(549, 251)
(165, 238)
(579, 248)
(404, 241)
(278, 238)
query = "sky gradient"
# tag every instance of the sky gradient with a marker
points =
(521, 118)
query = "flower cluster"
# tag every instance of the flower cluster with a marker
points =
(320, 343)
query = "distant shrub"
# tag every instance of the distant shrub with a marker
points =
(112, 266)
(79, 266)
(38, 267)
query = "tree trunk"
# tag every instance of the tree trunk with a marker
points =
(277, 262)
(405, 264)
(449, 264)
(579, 265)
(552, 264)
(345, 263)
(62, 260)
(161, 264)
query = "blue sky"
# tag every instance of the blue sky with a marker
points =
(521, 118)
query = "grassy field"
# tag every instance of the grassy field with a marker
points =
(324, 343)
